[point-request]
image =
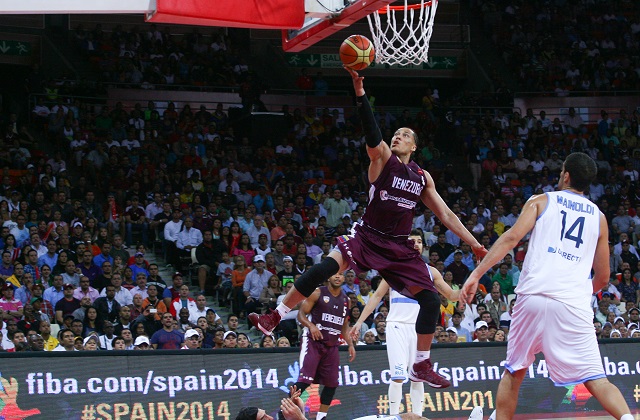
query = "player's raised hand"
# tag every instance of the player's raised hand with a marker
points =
(354, 332)
(294, 395)
(316, 334)
(480, 252)
(358, 81)
(290, 410)
(469, 288)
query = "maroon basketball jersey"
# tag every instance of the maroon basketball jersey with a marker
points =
(329, 314)
(393, 197)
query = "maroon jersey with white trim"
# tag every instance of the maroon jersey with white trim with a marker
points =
(329, 314)
(393, 197)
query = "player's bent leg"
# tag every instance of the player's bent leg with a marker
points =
(422, 369)
(303, 287)
(326, 396)
(609, 396)
(314, 277)
(507, 399)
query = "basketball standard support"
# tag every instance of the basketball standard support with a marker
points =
(298, 40)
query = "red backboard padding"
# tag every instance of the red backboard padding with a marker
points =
(259, 14)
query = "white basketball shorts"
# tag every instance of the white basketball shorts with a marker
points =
(401, 348)
(564, 334)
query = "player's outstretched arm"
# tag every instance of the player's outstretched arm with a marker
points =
(509, 239)
(305, 309)
(601, 267)
(443, 287)
(378, 151)
(383, 288)
(432, 199)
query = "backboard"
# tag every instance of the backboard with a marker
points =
(317, 28)
(259, 14)
(262, 14)
(303, 22)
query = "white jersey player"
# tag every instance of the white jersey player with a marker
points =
(569, 238)
(401, 334)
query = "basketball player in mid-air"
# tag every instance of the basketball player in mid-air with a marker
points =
(569, 239)
(401, 333)
(380, 240)
(324, 318)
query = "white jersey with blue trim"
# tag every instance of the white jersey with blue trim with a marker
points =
(402, 309)
(561, 250)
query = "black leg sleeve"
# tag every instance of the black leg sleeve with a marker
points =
(326, 396)
(429, 312)
(316, 275)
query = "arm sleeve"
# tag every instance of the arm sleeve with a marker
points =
(372, 133)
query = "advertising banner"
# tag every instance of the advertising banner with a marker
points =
(205, 385)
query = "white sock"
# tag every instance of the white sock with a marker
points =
(417, 397)
(422, 355)
(395, 396)
(493, 415)
(627, 417)
(283, 309)
(320, 415)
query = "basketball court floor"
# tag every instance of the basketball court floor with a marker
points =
(563, 416)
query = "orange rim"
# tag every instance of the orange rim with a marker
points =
(383, 10)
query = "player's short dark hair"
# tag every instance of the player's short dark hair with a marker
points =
(582, 168)
(415, 232)
(247, 413)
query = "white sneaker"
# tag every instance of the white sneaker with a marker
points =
(476, 414)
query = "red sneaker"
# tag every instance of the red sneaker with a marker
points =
(266, 323)
(423, 372)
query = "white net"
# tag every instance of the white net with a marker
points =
(403, 37)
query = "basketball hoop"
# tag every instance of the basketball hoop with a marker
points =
(405, 38)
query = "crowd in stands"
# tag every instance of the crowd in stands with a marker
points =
(78, 223)
(152, 57)
(565, 47)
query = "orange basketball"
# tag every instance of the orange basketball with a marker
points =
(357, 52)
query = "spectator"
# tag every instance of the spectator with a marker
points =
(85, 290)
(188, 238)
(67, 340)
(256, 229)
(167, 338)
(12, 309)
(71, 274)
(200, 310)
(54, 293)
(68, 304)
(141, 287)
(256, 280)
(88, 268)
(183, 301)
(336, 207)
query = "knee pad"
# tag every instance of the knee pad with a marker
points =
(316, 275)
(326, 396)
(429, 314)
